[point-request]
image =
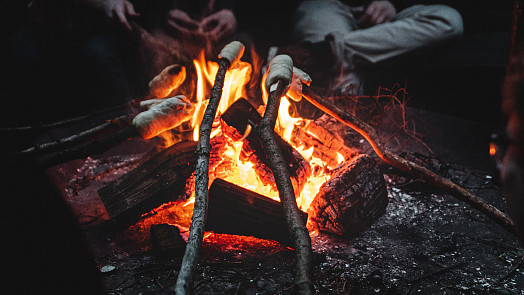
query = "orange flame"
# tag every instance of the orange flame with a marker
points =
(234, 87)
(236, 171)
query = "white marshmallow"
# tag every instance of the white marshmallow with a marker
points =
(232, 52)
(280, 69)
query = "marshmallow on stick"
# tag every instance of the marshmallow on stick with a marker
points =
(162, 116)
(168, 80)
(232, 52)
(295, 89)
(280, 69)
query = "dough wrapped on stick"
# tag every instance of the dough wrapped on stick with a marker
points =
(168, 80)
(162, 116)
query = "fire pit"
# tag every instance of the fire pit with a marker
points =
(423, 241)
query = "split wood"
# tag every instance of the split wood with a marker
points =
(370, 134)
(299, 233)
(186, 276)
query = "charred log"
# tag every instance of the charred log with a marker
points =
(327, 145)
(239, 211)
(235, 122)
(157, 180)
(351, 200)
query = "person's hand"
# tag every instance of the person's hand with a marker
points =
(219, 25)
(118, 11)
(378, 12)
(181, 24)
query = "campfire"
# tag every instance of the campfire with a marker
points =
(340, 190)
(249, 175)
(313, 153)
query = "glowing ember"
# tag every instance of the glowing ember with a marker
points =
(230, 167)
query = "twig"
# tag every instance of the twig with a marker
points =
(238, 287)
(185, 279)
(93, 147)
(81, 137)
(512, 270)
(66, 122)
(438, 272)
(370, 134)
(296, 226)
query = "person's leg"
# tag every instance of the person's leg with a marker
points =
(314, 19)
(413, 28)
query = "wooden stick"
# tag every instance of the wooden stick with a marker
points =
(93, 147)
(297, 229)
(65, 122)
(370, 134)
(82, 137)
(185, 280)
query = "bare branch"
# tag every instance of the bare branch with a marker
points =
(370, 134)
(297, 228)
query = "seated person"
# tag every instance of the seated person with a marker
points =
(357, 34)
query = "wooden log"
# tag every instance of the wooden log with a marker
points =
(160, 179)
(235, 122)
(239, 211)
(351, 200)
(327, 146)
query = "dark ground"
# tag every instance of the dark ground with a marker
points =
(427, 242)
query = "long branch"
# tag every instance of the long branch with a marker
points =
(370, 134)
(99, 145)
(184, 284)
(90, 134)
(297, 229)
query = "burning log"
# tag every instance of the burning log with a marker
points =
(370, 134)
(235, 123)
(228, 56)
(149, 185)
(326, 145)
(239, 211)
(352, 199)
(278, 79)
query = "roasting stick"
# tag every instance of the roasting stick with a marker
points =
(79, 138)
(370, 134)
(279, 77)
(185, 281)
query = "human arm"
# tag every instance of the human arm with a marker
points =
(117, 11)
(180, 23)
